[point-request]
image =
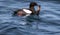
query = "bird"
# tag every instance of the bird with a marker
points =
(28, 11)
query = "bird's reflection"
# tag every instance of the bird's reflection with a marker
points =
(32, 19)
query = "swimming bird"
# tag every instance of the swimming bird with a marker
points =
(29, 11)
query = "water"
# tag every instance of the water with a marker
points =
(48, 21)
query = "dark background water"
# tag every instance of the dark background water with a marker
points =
(48, 21)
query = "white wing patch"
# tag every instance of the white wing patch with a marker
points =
(27, 11)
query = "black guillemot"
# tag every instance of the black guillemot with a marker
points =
(29, 11)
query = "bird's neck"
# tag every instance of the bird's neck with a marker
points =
(32, 8)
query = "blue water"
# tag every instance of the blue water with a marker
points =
(48, 22)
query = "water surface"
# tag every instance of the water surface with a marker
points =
(48, 21)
